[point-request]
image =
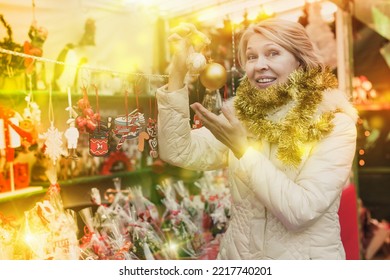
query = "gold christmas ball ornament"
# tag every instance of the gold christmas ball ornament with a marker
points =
(213, 76)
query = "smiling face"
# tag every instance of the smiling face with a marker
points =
(268, 63)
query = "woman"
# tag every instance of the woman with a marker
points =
(288, 140)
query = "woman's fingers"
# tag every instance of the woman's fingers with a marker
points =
(183, 29)
(188, 31)
(204, 114)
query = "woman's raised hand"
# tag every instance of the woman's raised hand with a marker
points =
(185, 39)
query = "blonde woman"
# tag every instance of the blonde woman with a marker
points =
(287, 138)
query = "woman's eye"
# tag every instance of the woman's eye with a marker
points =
(273, 53)
(251, 57)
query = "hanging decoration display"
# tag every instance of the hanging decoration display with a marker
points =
(53, 137)
(128, 126)
(99, 144)
(53, 143)
(71, 133)
(87, 120)
(143, 136)
(151, 129)
(152, 132)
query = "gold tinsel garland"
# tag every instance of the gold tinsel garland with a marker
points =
(305, 90)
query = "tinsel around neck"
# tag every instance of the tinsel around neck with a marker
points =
(304, 91)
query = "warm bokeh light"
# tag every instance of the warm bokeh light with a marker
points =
(328, 11)
(266, 11)
(208, 15)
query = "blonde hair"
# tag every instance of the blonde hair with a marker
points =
(290, 35)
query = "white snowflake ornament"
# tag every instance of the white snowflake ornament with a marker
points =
(53, 143)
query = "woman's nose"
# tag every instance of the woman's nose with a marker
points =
(261, 63)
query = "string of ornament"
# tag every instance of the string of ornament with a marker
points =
(90, 68)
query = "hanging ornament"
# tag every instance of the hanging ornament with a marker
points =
(99, 138)
(213, 76)
(53, 143)
(128, 126)
(212, 101)
(196, 62)
(72, 133)
(152, 131)
(143, 136)
(99, 141)
(88, 119)
(72, 136)
(53, 137)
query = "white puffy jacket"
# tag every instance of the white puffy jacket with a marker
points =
(277, 212)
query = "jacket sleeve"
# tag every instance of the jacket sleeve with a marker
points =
(179, 145)
(319, 183)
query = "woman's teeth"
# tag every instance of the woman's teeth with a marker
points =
(264, 80)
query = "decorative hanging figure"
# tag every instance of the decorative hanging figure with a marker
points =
(152, 131)
(72, 136)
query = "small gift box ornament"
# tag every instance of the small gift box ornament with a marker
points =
(99, 140)
(98, 143)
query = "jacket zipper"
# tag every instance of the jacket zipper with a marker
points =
(265, 230)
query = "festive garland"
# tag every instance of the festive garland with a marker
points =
(304, 91)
